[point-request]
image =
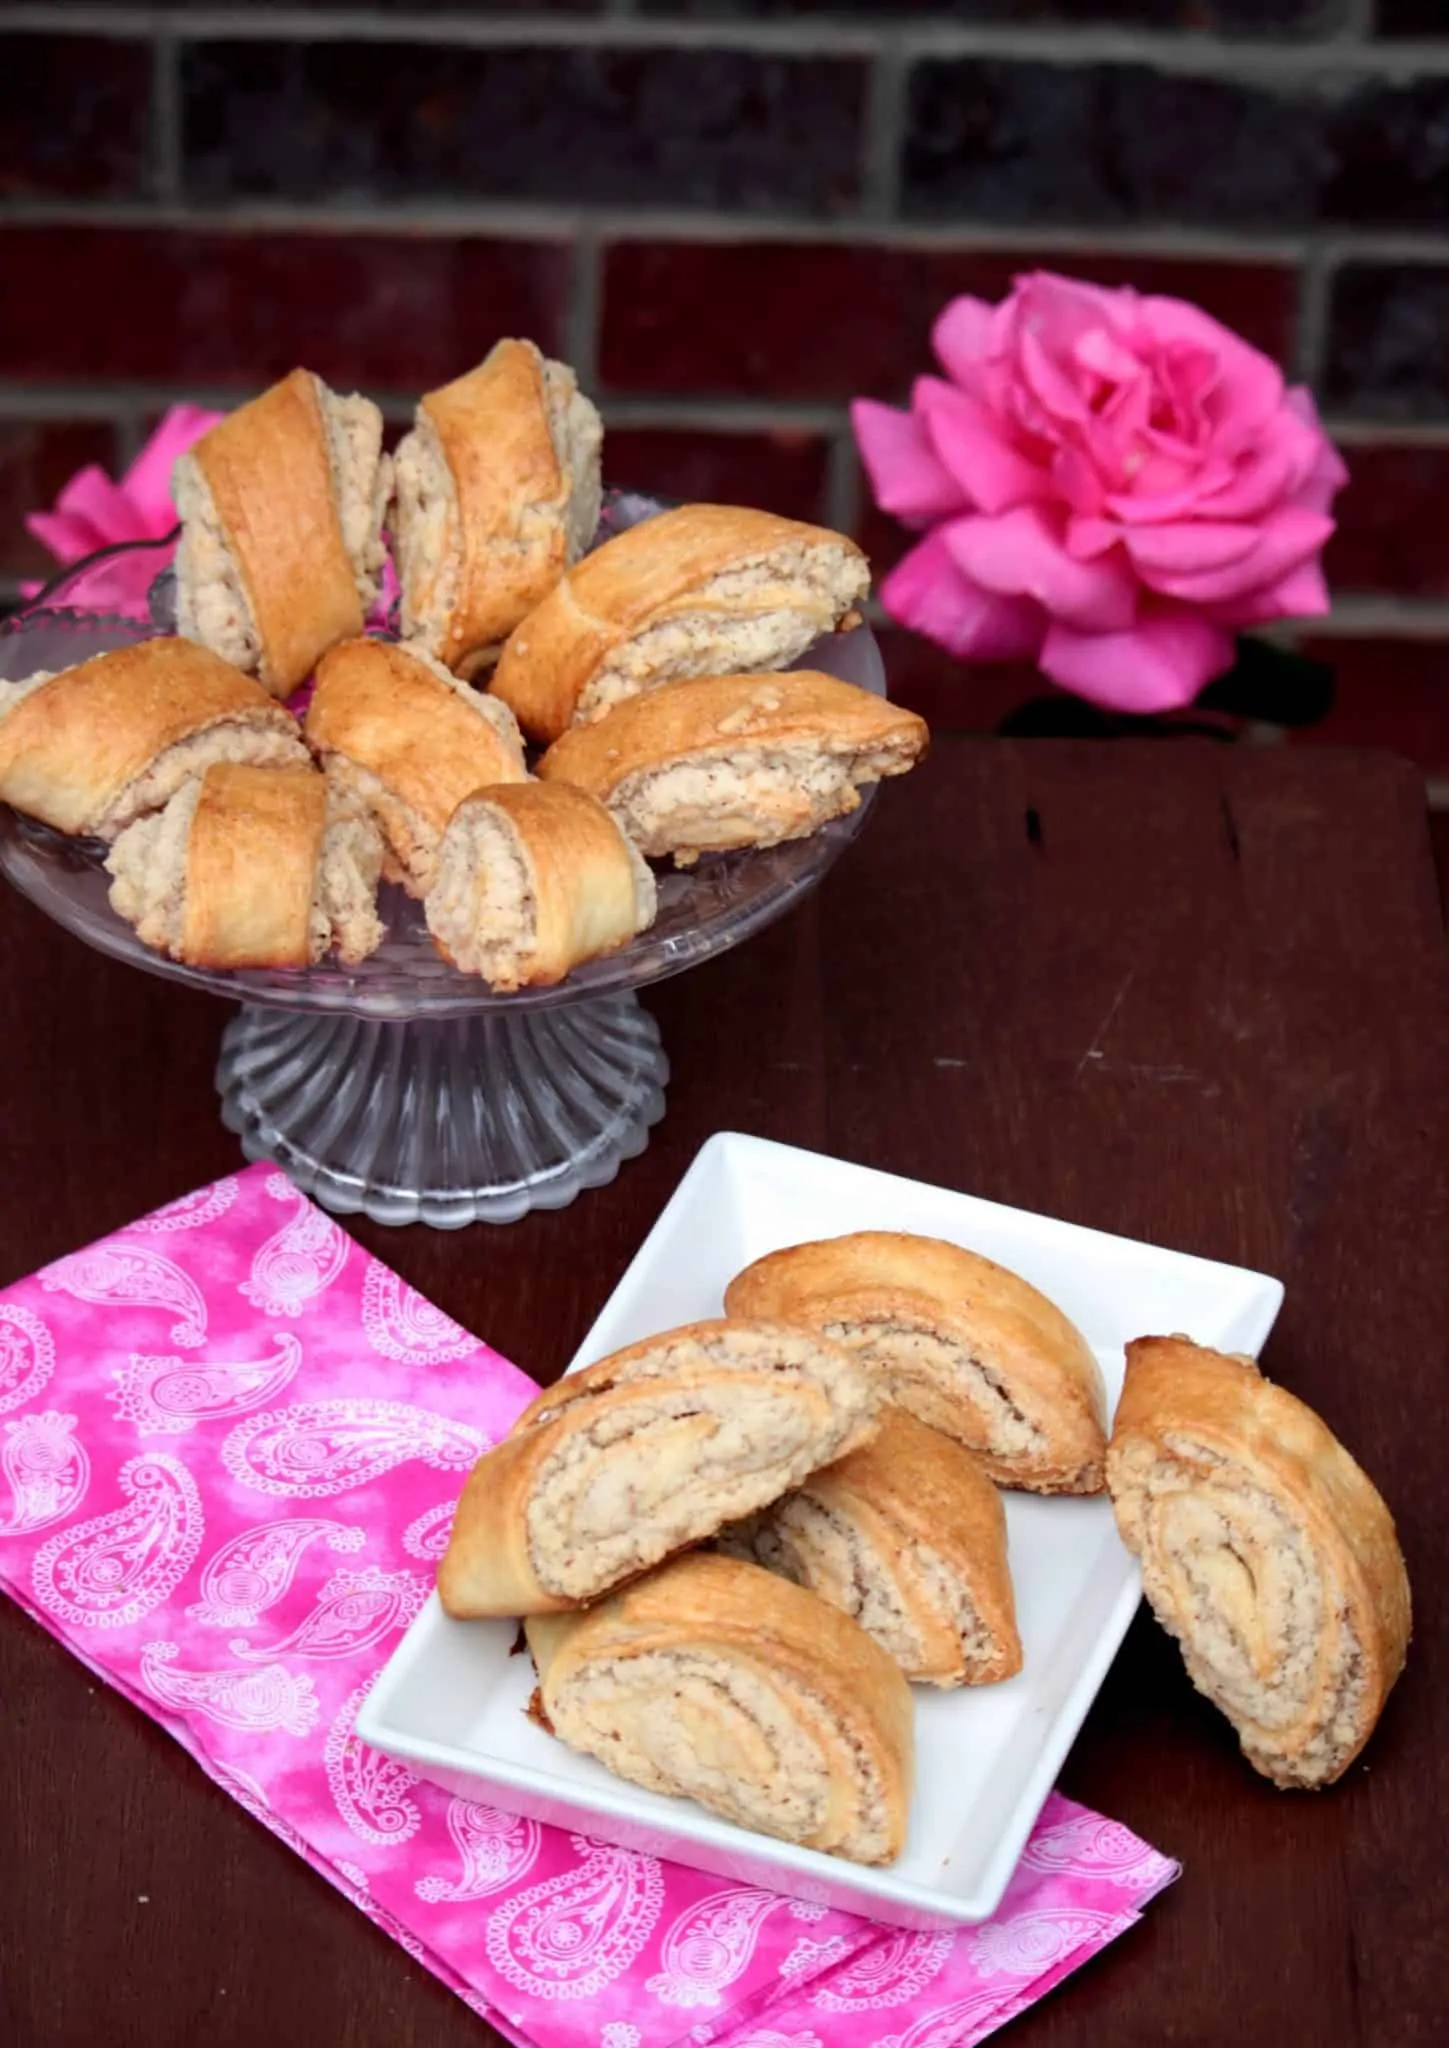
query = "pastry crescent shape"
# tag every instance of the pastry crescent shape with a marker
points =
(651, 1449)
(714, 1681)
(968, 1347)
(1265, 1550)
(409, 741)
(715, 762)
(701, 590)
(497, 493)
(907, 1536)
(93, 747)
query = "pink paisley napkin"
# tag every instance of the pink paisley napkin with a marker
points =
(231, 1444)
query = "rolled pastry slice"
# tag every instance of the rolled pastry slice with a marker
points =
(908, 1537)
(532, 879)
(714, 1681)
(720, 761)
(410, 741)
(89, 749)
(497, 493)
(1265, 1550)
(251, 867)
(281, 510)
(966, 1346)
(651, 1449)
(704, 590)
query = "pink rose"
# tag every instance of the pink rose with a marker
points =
(1109, 485)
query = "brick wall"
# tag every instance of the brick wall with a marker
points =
(733, 215)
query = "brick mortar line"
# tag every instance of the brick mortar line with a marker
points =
(885, 134)
(165, 135)
(1313, 316)
(584, 308)
(1436, 792)
(1373, 618)
(1164, 49)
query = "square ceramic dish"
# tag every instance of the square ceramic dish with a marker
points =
(451, 1700)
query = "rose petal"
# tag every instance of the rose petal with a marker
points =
(1292, 536)
(90, 495)
(1089, 537)
(1019, 556)
(1077, 481)
(961, 338)
(1302, 594)
(905, 475)
(1261, 481)
(1054, 389)
(1159, 666)
(69, 538)
(1189, 547)
(927, 592)
(972, 448)
(1299, 401)
(1248, 387)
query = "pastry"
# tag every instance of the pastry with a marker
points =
(497, 493)
(714, 762)
(716, 1682)
(90, 748)
(533, 878)
(907, 1536)
(651, 1449)
(281, 510)
(404, 736)
(704, 590)
(962, 1343)
(1265, 1550)
(251, 867)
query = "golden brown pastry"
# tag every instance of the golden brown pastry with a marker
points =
(715, 762)
(716, 1682)
(531, 880)
(704, 590)
(281, 510)
(497, 493)
(251, 867)
(1265, 1550)
(966, 1346)
(907, 1536)
(90, 748)
(648, 1450)
(409, 741)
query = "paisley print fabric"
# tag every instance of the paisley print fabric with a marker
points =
(230, 1444)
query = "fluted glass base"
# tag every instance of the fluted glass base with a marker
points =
(445, 1121)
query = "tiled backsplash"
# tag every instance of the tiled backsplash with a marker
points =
(733, 215)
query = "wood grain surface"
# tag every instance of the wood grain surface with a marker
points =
(1192, 994)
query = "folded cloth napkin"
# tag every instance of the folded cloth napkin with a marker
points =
(232, 1441)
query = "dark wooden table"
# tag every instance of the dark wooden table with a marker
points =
(1192, 994)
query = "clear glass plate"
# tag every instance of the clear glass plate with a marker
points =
(401, 1087)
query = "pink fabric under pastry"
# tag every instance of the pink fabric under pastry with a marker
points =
(231, 1441)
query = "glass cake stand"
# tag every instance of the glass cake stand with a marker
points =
(401, 1088)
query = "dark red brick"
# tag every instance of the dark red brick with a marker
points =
(1393, 522)
(820, 320)
(189, 307)
(952, 695)
(752, 131)
(1228, 17)
(36, 458)
(1389, 693)
(1086, 143)
(1386, 155)
(76, 112)
(1385, 356)
(782, 471)
(1412, 18)
(1439, 836)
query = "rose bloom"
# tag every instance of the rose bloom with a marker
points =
(1110, 486)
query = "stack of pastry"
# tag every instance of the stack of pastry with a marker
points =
(735, 1545)
(654, 671)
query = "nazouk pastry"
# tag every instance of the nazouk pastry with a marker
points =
(88, 749)
(964, 1345)
(715, 762)
(704, 590)
(409, 741)
(907, 1536)
(1265, 1550)
(716, 1682)
(651, 1449)
(497, 493)
(281, 510)
(251, 867)
(531, 880)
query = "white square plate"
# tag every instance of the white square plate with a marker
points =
(451, 1700)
